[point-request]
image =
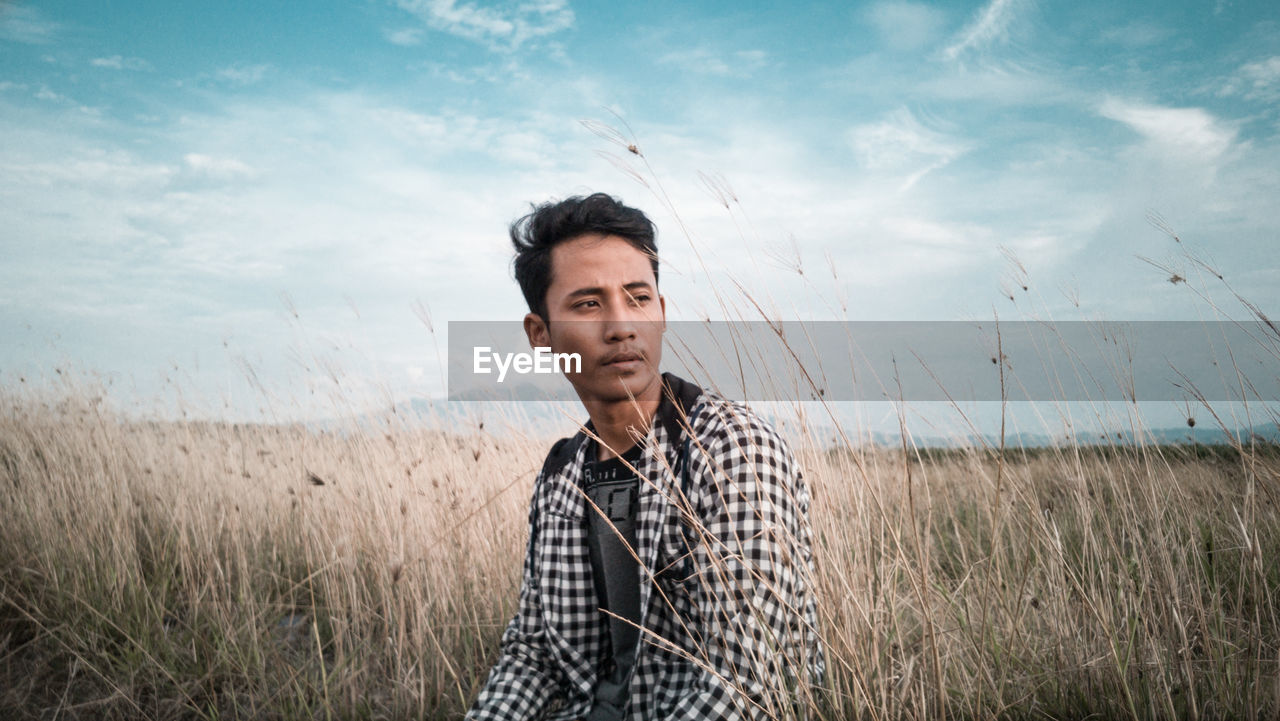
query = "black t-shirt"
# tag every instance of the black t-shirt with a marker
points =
(611, 541)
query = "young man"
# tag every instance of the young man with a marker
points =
(668, 569)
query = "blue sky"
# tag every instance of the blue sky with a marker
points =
(226, 197)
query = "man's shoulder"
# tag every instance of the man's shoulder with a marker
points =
(726, 430)
(739, 458)
(715, 415)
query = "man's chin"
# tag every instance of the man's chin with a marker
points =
(619, 388)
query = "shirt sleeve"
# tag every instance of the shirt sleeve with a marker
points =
(753, 555)
(521, 684)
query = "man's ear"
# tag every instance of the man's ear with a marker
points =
(535, 329)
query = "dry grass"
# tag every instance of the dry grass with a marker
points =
(199, 570)
(203, 570)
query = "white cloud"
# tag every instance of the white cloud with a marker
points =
(1265, 72)
(1137, 34)
(1258, 80)
(357, 182)
(991, 25)
(117, 62)
(505, 27)
(1006, 84)
(929, 232)
(340, 203)
(740, 63)
(905, 25)
(507, 71)
(216, 168)
(433, 135)
(84, 167)
(1186, 131)
(44, 93)
(902, 147)
(244, 74)
(404, 36)
(24, 24)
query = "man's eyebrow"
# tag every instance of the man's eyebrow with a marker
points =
(631, 287)
(595, 290)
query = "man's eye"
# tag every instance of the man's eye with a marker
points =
(587, 304)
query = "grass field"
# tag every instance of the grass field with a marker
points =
(201, 570)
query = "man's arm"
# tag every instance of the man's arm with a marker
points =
(754, 595)
(521, 683)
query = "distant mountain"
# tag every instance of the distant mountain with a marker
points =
(560, 417)
(1159, 436)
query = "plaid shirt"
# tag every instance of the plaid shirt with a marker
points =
(729, 625)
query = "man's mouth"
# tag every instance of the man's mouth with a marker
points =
(623, 359)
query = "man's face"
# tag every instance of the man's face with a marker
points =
(603, 304)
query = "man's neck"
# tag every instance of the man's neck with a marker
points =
(620, 423)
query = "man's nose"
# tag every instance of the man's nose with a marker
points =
(621, 322)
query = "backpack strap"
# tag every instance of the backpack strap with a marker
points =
(561, 453)
(678, 399)
(681, 396)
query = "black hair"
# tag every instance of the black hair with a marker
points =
(552, 223)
